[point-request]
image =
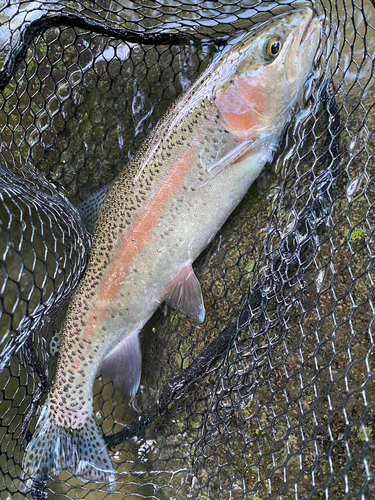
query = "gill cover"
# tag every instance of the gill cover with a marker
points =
(272, 65)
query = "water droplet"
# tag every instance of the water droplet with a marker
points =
(319, 279)
(118, 456)
(356, 142)
(352, 144)
(98, 415)
(120, 137)
(353, 186)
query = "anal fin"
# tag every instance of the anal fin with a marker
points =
(184, 293)
(123, 365)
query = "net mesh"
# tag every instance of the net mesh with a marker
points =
(274, 395)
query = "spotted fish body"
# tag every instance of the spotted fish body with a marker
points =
(158, 216)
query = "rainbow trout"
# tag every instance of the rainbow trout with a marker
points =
(158, 216)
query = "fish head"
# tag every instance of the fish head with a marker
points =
(264, 73)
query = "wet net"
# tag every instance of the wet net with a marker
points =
(274, 395)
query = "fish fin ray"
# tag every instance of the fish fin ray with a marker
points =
(184, 293)
(236, 155)
(89, 209)
(123, 365)
(53, 449)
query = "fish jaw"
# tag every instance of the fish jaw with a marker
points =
(303, 47)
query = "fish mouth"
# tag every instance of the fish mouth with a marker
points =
(304, 37)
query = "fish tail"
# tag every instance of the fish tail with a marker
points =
(53, 449)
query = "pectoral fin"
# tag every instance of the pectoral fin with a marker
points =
(240, 153)
(123, 365)
(184, 293)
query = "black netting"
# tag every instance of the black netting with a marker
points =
(273, 396)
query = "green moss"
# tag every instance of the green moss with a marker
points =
(180, 426)
(326, 468)
(196, 423)
(250, 266)
(75, 5)
(35, 108)
(344, 135)
(174, 319)
(213, 49)
(356, 234)
(364, 433)
(42, 50)
(31, 66)
(8, 91)
(345, 204)
(186, 362)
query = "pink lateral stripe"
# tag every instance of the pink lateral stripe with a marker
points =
(136, 239)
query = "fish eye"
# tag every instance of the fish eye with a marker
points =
(272, 49)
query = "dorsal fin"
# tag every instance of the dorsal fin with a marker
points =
(90, 208)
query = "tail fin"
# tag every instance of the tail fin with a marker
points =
(53, 449)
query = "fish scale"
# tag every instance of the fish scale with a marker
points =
(157, 217)
(122, 203)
